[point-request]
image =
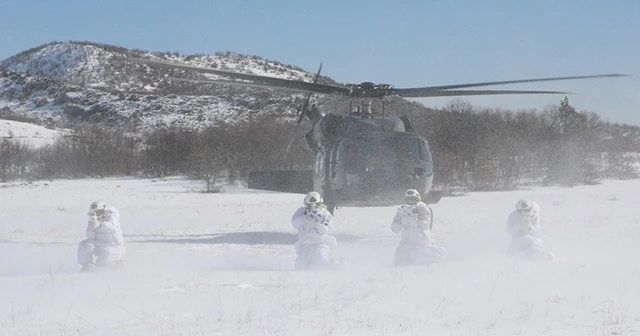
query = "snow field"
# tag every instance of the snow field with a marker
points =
(221, 264)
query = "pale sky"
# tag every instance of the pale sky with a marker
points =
(403, 43)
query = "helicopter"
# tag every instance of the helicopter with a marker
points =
(362, 157)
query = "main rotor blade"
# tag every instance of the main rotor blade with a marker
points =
(239, 83)
(453, 93)
(369, 90)
(428, 91)
(265, 81)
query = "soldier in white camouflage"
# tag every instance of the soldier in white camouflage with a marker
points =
(104, 244)
(523, 225)
(313, 222)
(414, 220)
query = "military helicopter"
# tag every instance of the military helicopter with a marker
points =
(362, 157)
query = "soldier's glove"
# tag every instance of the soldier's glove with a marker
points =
(313, 213)
(94, 223)
(322, 218)
(322, 229)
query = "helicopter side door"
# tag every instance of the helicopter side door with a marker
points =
(337, 171)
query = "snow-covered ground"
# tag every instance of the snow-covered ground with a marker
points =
(221, 264)
(29, 134)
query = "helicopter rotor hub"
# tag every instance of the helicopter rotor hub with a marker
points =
(368, 90)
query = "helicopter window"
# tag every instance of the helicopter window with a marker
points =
(413, 147)
(319, 162)
(426, 152)
(352, 151)
(344, 151)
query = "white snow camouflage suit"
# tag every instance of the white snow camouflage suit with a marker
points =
(417, 246)
(105, 242)
(526, 239)
(314, 245)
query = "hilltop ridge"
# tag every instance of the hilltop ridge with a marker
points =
(64, 83)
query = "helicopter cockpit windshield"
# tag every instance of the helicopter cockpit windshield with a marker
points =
(383, 163)
(353, 152)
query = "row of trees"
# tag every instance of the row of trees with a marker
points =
(485, 149)
(473, 148)
(223, 150)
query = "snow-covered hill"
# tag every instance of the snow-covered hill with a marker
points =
(28, 134)
(73, 82)
(221, 264)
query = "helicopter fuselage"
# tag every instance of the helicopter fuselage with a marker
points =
(368, 160)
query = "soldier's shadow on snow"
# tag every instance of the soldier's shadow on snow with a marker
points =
(240, 238)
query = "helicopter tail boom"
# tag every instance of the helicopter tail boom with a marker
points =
(291, 181)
